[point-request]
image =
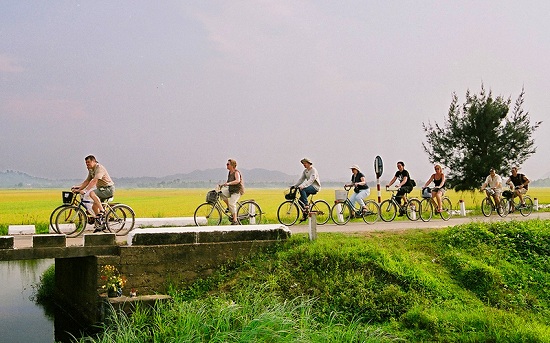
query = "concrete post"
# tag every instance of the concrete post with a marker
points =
(312, 225)
(252, 211)
(462, 208)
(536, 204)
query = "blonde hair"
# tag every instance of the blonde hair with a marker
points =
(232, 162)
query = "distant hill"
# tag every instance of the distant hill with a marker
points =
(195, 179)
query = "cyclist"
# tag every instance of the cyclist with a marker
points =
(98, 185)
(519, 184)
(494, 182)
(235, 188)
(405, 184)
(308, 183)
(438, 191)
(360, 188)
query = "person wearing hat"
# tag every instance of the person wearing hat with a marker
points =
(308, 183)
(360, 188)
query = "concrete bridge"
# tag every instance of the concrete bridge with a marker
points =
(150, 259)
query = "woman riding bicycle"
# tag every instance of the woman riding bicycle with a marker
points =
(438, 191)
(234, 190)
(360, 188)
(308, 183)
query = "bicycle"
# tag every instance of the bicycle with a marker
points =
(248, 211)
(289, 211)
(510, 205)
(343, 210)
(72, 217)
(428, 204)
(388, 207)
(488, 206)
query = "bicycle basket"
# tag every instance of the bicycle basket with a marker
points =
(68, 197)
(427, 193)
(508, 194)
(290, 194)
(211, 197)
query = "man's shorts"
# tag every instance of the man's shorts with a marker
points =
(105, 192)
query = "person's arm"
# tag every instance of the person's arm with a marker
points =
(429, 181)
(525, 181)
(362, 182)
(302, 178)
(309, 180)
(392, 181)
(442, 184)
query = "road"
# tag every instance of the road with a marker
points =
(25, 241)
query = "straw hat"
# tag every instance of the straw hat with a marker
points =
(355, 166)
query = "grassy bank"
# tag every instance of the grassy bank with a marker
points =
(470, 283)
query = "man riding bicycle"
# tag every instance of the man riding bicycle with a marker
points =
(494, 182)
(519, 184)
(405, 183)
(98, 185)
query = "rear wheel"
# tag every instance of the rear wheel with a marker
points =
(426, 209)
(503, 207)
(447, 209)
(528, 208)
(413, 209)
(371, 212)
(120, 219)
(249, 213)
(288, 213)
(388, 210)
(71, 220)
(341, 213)
(207, 214)
(486, 207)
(322, 209)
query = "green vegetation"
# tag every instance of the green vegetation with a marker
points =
(483, 132)
(470, 283)
(33, 206)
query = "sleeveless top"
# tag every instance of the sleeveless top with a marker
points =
(238, 188)
(438, 182)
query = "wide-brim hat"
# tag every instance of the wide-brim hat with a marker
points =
(305, 159)
(355, 166)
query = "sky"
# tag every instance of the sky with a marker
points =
(160, 88)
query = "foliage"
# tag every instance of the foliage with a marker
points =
(478, 135)
(112, 278)
(480, 282)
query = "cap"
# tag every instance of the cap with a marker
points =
(305, 159)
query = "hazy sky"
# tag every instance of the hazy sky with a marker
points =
(158, 88)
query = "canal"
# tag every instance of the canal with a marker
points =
(21, 319)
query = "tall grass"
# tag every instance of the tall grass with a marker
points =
(470, 283)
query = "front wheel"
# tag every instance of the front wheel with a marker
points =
(503, 207)
(447, 210)
(413, 209)
(207, 214)
(288, 213)
(322, 209)
(486, 207)
(426, 209)
(120, 219)
(71, 220)
(527, 208)
(341, 213)
(371, 212)
(388, 210)
(53, 217)
(249, 213)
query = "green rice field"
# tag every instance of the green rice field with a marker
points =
(33, 206)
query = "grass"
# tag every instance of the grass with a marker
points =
(480, 282)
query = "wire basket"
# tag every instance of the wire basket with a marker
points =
(340, 195)
(290, 194)
(68, 197)
(212, 197)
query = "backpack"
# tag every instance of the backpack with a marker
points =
(413, 183)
